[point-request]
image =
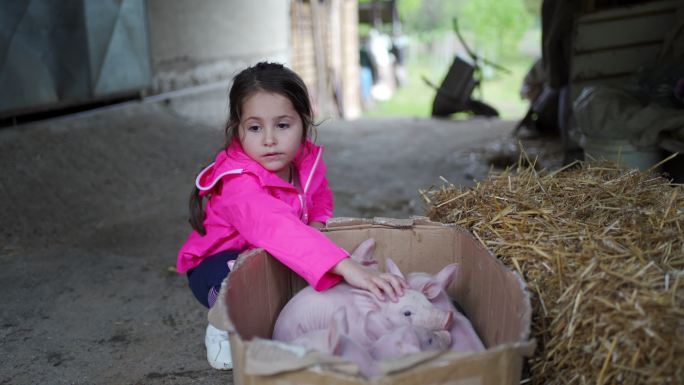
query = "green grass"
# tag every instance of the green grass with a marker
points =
(502, 91)
(413, 99)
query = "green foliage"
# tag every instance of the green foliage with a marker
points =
(533, 7)
(421, 17)
(493, 28)
(497, 25)
(415, 98)
(364, 30)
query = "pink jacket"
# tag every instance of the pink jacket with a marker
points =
(250, 207)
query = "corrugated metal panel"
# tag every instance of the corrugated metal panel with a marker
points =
(55, 54)
(117, 46)
(33, 72)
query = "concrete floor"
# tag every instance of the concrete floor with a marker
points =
(93, 210)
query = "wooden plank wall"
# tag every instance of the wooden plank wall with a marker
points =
(338, 26)
(302, 57)
(610, 46)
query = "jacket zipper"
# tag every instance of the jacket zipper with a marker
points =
(302, 201)
(305, 210)
(313, 169)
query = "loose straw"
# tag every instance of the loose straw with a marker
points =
(602, 250)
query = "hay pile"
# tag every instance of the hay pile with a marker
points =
(602, 252)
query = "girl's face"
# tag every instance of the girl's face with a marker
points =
(271, 131)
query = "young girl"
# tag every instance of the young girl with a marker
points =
(267, 188)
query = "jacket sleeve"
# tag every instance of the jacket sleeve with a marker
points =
(269, 223)
(322, 202)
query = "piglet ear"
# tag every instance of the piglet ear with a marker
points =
(431, 290)
(447, 275)
(442, 340)
(338, 328)
(376, 325)
(365, 250)
(365, 301)
(410, 342)
(392, 268)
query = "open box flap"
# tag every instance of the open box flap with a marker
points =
(268, 357)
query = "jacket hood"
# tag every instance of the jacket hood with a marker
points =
(233, 160)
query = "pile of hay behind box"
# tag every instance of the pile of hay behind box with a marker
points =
(492, 296)
(602, 249)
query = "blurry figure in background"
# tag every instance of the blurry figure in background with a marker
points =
(379, 45)
(557, 24)
(383, 60)
(368, 73)
(542, 116)
(533, 83)
(400, 52)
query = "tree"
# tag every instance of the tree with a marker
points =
(498, 25)
(426, 16)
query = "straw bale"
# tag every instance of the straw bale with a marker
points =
(602, 251)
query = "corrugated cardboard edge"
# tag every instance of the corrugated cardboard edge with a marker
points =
(268, 357)
(345, 222)
(217, 318)
(500, 353)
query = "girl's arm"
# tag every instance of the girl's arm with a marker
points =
(269, 223)
(353, 272)
(370, 279)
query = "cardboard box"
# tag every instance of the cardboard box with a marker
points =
(493, 298)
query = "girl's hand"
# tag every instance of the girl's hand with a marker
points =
(367, 278)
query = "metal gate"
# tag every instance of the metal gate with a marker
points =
(55, 54)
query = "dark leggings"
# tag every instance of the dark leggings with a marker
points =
(205, 279)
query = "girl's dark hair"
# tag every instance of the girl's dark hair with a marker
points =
(266, 77)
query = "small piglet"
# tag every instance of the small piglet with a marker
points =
(463, 335)
(355, 325)
(408, 339)
(394, 343)
(310, 310)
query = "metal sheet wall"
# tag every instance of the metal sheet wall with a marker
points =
(55, 54)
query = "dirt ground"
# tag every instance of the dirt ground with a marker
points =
(93, 208)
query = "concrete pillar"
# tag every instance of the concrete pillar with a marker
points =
(199, 42)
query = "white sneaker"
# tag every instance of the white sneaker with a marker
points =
(218, 348)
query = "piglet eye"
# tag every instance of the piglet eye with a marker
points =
(407, 313)
(430, 341)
